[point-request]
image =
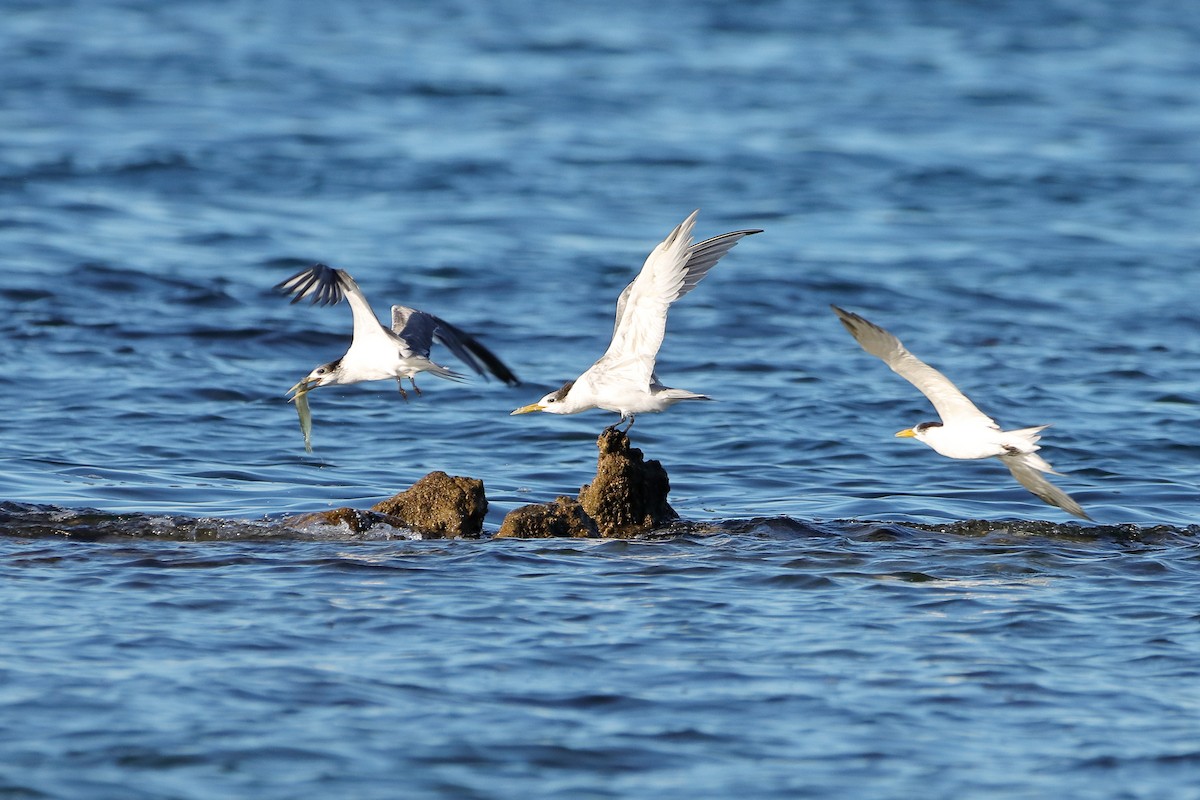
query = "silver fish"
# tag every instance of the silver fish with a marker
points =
(299, 396)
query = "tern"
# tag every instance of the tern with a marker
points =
(624, 380)
(964, 431)
(378, 353)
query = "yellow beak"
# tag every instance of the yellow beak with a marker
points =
(907, 433)
(299, 388)
(529, 409)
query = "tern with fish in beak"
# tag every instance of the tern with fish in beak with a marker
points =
(377, 352)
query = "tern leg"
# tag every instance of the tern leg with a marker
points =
(630, 425)
(416, 388)
(400, 386)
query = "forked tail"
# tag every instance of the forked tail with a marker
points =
(675, 395)
(433, 368)
(1030, 437)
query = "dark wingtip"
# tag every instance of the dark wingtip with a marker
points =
(502, 372)
(847, 318)
(327, 290)
(477, 356)
(491, 363)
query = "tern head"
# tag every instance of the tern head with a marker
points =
(553, 403)
(919, 431)
(321, 376)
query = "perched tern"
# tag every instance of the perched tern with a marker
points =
(624, 380)
(965, 431)
(377, 353)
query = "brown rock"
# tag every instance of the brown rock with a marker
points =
(440, 505)
(562, 518)
(628, 496)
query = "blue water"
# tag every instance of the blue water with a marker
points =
(1014, 189)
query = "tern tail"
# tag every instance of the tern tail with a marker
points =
(680, 394)
(425, 365)
(1031, 435)
(1029, 438)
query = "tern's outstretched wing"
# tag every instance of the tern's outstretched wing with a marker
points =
(672, 270)
(1020, 465)
(414, 328)
(419, 329)
(327, 286)
(951, 404)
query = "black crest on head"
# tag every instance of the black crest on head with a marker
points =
(561, 393)
(924, 426)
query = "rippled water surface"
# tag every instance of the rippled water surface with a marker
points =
(1013, 189)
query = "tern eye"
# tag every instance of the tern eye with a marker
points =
(321, 371)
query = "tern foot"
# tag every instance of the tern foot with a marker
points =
(616, 425)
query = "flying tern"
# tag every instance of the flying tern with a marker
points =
(624, 379)
(964, 431)
(378, 353)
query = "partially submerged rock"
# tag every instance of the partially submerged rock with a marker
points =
(627, 498)
(357, 521)
(629, 495)
(437, 506)
(564, 517)
(440, 505)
